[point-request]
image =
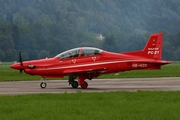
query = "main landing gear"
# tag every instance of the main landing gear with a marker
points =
(75, 84)
(72, 81)
(85, 85)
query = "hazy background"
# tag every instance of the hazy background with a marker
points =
(44, 28)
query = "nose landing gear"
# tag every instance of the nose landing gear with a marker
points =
(43, 84)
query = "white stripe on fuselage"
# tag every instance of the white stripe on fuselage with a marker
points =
(90, 64)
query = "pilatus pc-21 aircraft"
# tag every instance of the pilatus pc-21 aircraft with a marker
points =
(88, 63)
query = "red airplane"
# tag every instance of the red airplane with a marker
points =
(89, 63)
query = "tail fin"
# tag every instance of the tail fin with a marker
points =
(153, 48)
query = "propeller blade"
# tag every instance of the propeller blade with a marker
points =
(20, 58)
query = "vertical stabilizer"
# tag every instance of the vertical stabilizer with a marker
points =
(153, 48)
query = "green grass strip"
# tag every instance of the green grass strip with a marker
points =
(140, 105)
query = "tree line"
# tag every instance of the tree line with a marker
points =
(43, 28)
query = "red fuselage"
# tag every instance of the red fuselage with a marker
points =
(103, 63)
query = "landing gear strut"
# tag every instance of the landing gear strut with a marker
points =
(82, 82)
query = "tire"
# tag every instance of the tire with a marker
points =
(43, 85)
(84, 86)
(74, 84)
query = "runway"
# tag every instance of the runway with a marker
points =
(96, 85)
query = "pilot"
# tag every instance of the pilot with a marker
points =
(70, 55)
(96, 52)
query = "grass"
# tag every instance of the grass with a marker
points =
(171, 70)
(143, 105)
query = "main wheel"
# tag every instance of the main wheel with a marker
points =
(43, 85)
(71, 79)
(84, 86)
(74, 84)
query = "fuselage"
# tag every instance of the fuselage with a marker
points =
(111, 62)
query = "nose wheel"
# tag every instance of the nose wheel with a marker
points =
(43, 85)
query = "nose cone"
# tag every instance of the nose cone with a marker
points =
(16, 66)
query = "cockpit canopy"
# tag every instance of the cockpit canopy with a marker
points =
(77, 52)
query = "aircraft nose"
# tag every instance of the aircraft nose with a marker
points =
(16, 66)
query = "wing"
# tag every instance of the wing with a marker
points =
(79, 71)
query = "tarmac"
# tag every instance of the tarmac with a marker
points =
(95, 85)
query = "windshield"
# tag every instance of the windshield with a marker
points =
(69, 54)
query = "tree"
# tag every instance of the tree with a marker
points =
(43, 54)
(109, 43)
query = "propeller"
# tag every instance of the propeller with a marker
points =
(20, 60)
